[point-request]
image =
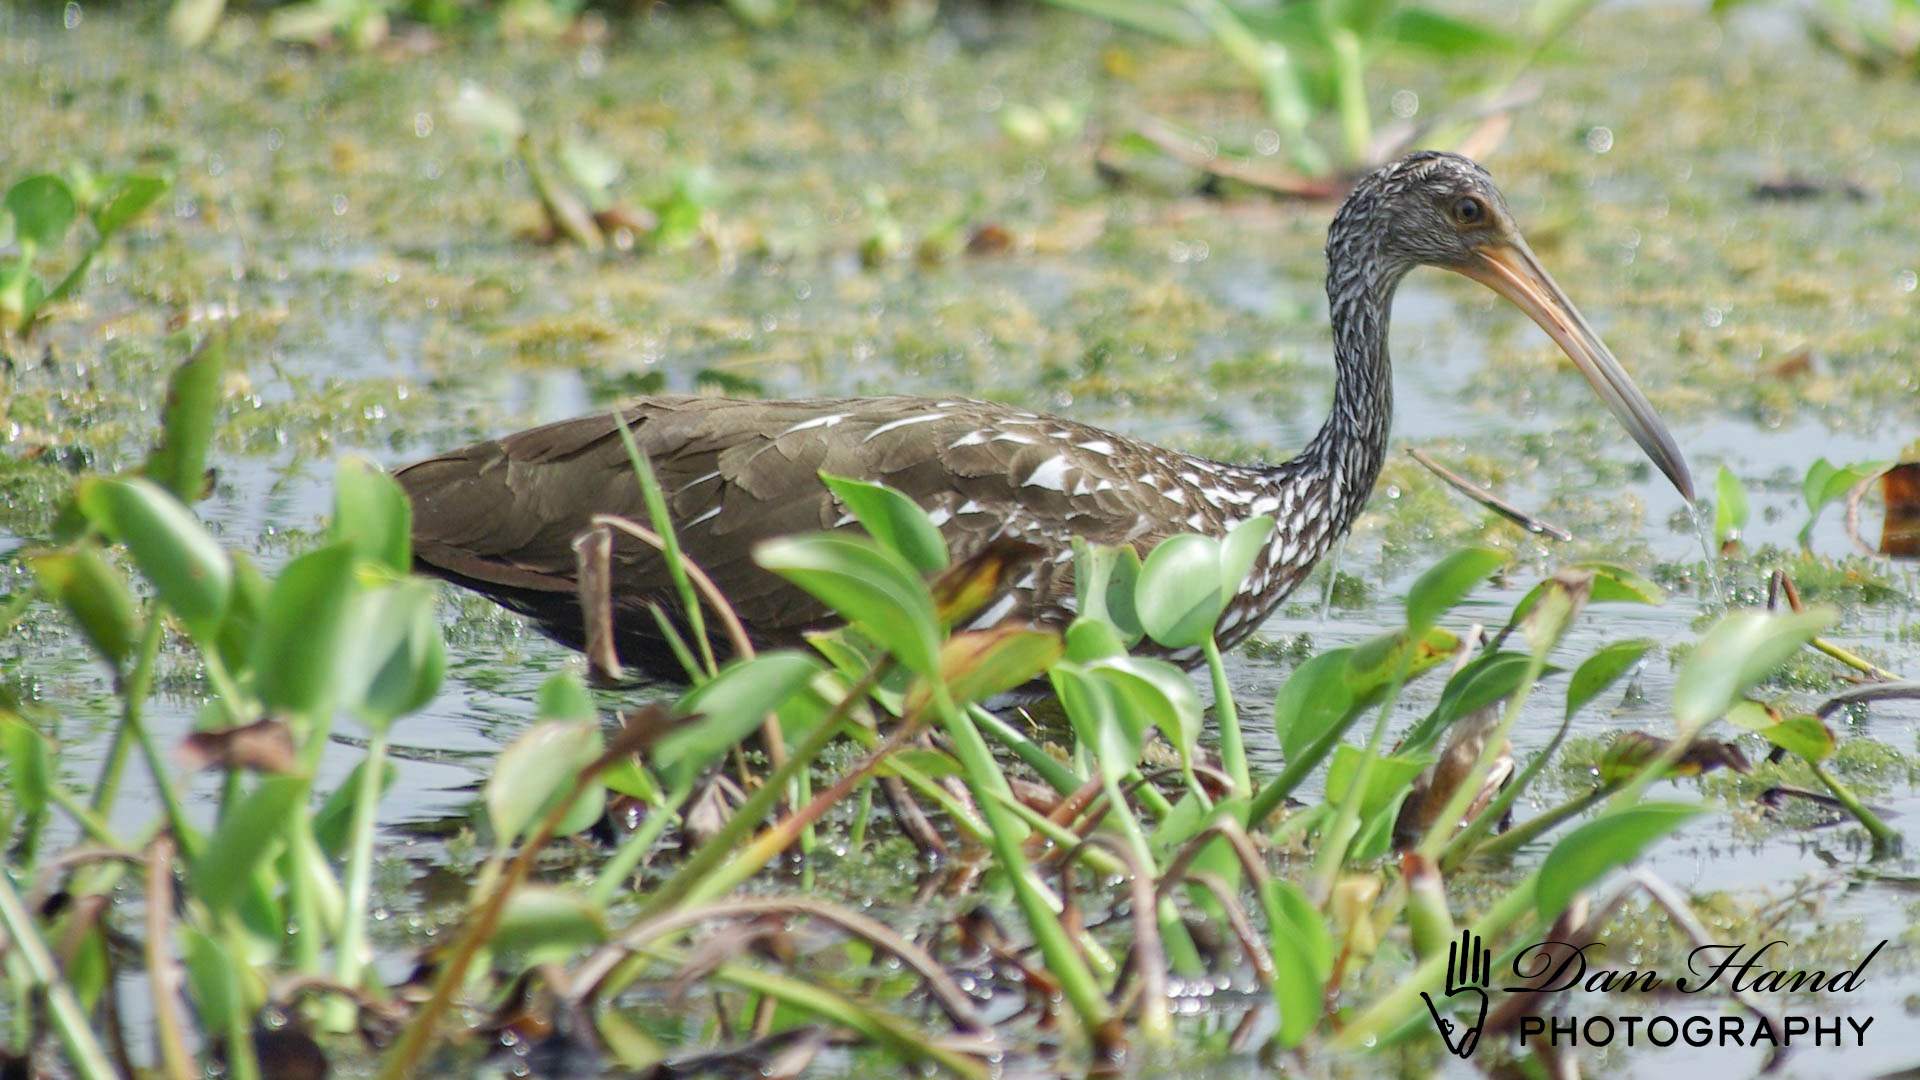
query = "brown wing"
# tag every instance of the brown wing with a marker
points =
(500, 517)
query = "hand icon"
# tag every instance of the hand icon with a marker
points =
(1469, 970)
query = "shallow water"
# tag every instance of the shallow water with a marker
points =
(361, 245)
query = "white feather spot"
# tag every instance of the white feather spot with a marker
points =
(971, 438)
(818, 421)
(708, 516)
(1051, 474)
(1097, 446)
(905, 422)
(969, 507)
(1000, 610)
(939, 516)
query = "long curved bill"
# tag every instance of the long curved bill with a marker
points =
(1510, 269)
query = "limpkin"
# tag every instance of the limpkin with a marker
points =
(499, 517)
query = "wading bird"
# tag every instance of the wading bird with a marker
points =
(499, 517)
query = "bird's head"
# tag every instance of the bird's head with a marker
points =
(1438, 209)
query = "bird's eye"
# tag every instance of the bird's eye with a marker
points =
(1469, 210)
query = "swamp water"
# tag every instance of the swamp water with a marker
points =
(362, 247)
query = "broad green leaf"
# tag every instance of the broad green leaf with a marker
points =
(371, 513)
(893, 520)
(1391, 777)
(1448, 582)
(1738, 652)
(1599, 847)
(1729, 507)
(729, 707)
(1104, 582)
(565, 697)
(1112, 737)
(333, 822)
(1804, 736)
(94, 595)
(923, 760)
(1302, 958)
(1826, 482)
(1313, 700)
(42, 209)
(548, 920)
(298, 650)
(1611, 584)
(981, 663)
(131, 195)
(536, 771)
(400, 653)
(1156, 692)
(1566, 594)
(1601, 670)
(173, 550)
(1180, 593)
(867, 585)
(1487, 678)
(249, 833)
(240, 624)
(1445, 36)
(191, 22)
(214, 981)
(1089, 639)
(179, 463)
(1240, 549)
(29, 762)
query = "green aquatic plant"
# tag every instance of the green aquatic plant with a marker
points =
(275, 890)
(1310, 59)
(41, 211)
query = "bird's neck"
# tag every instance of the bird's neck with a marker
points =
(1343, 460)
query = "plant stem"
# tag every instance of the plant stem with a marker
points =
(133, 697)
(1885, 838)
(1233, 751)
(1448, 822)
(349, 963)
(69, 1019)
(1346, 821)
(1350, 88)
(1531, 829)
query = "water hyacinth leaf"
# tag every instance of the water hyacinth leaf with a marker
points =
(402, 655)
(548, 920)
(94, 596)
(179, 463)
(1602, 845)
(214, 980)
(1312, 701)
(728, 708)
(1302, 958)
(536, 771)
(1389, 779)
(241, 622)
(1826, 482)
(1240, 549)
(1448, 582)
(1611, 584)
(981, 663)
(1729, 508)
(248, 835)
(297, 654)
(371, 513)
(185, 565)
(1180, 593)
(333, 822)
(1803, 736)
(1113, 738)
(29, 757)
(1486, 679)
(1091, 639)
(1157, 691)
(130, 196)
(1739, 651)
(1566, 594)
(1603, 669)
(870, 587)
(42, 209)
(895, 521)
(1376, 662)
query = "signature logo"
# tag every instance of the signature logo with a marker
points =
(1469, 971)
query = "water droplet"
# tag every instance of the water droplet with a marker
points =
(1907, 280)
(73, 16)
(339, 206)
(1713, 316)
(1600, 139)
(422, 124)
(1404, 103)
(1266, 142)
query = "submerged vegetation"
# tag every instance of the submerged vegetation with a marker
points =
(272, 801)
